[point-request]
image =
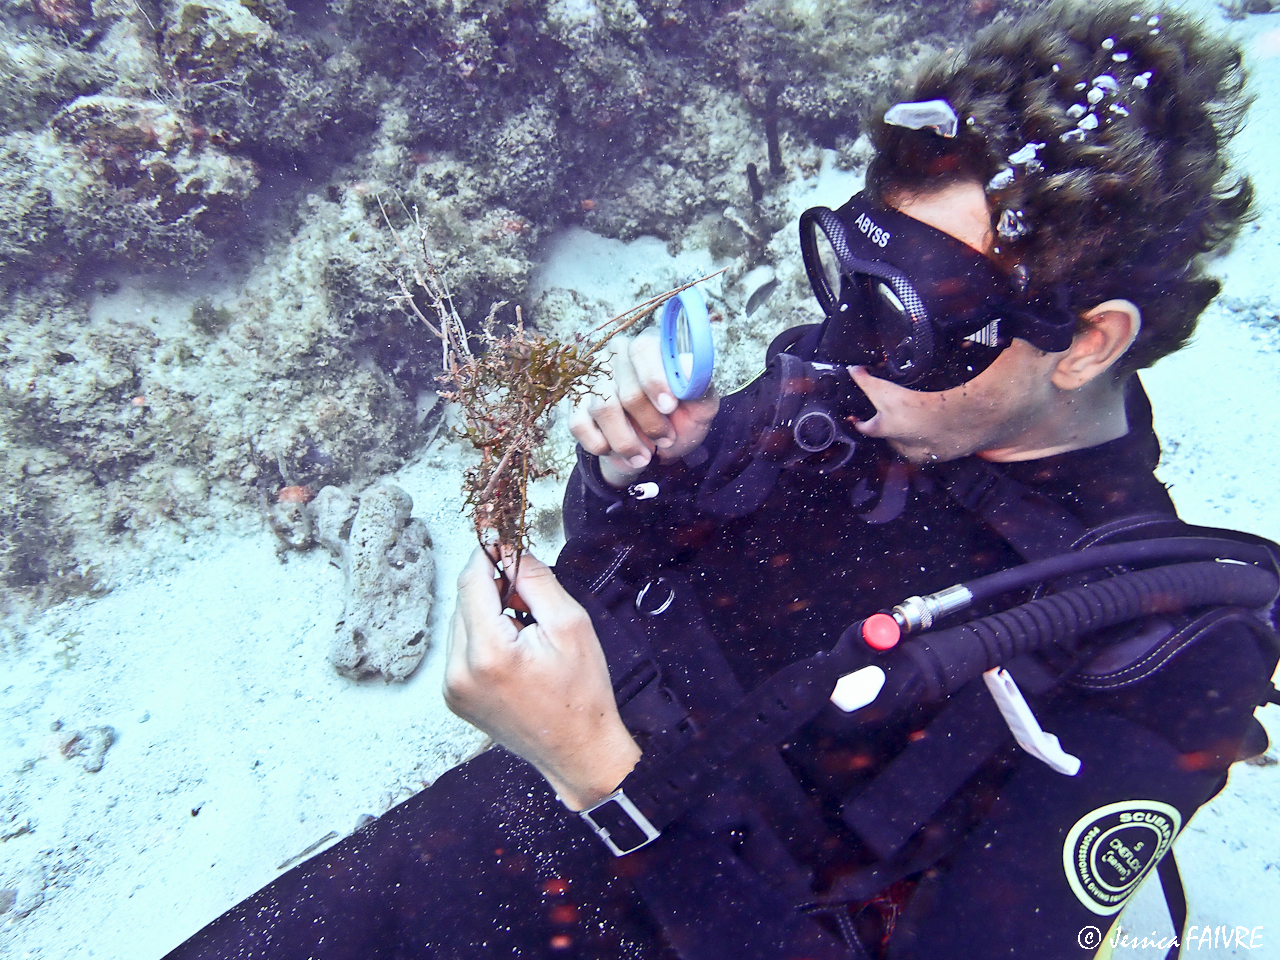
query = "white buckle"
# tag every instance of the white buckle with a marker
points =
(855, 690)
(1025, 727)
(641, 822)
(643, 491)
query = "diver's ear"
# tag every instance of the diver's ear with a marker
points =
(1112, 327)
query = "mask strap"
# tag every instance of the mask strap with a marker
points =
(1046, 321)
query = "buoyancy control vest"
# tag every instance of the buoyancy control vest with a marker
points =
(1108, 612)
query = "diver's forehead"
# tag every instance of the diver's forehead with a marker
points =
(958, 209)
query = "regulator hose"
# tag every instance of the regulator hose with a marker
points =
(1166, 549)
(948, 659)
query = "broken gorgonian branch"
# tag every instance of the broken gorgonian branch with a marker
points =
(507, 388)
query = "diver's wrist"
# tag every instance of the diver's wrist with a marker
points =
(613, 758)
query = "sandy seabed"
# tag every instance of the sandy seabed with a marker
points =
(238, 748)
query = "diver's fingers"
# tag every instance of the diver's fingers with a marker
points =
(604, 428)
(645, 354)
(560, 616)
(582, 419)
(641, 397)
(584, 429)
(477, 613)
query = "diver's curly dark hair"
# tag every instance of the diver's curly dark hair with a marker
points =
(1126, 208)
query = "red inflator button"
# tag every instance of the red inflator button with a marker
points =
(881, 631)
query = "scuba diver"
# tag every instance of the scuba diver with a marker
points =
(900, 651)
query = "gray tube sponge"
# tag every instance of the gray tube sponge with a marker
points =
(386, 559)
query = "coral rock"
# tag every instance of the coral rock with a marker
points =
(90, 745)
(136, 177)
(24, 892)
(64, 13)
(207, 41)
(386, 559)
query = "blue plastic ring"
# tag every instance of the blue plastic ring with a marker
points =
(694, 384)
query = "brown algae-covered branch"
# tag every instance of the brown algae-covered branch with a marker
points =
(506, 391)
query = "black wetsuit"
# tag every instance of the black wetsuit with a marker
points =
(487, 862)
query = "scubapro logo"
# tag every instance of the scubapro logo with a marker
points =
(1109, 850)
(876, 234)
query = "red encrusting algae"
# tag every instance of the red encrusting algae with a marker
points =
(294, 494)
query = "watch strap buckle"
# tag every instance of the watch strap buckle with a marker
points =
(620, 824)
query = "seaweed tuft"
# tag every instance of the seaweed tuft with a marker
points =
(506, 388)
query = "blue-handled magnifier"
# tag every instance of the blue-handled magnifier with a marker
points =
(688, 355)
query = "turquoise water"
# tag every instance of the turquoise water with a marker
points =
(196, 318)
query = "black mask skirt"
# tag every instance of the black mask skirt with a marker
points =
(913, 304)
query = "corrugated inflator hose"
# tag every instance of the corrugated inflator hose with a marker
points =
(948, 659)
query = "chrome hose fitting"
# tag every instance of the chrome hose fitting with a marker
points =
(919, 613)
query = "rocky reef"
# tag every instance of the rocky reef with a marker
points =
(195, 198)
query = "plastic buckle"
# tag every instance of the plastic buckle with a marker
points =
(643, 491)
(1024, 726)
(620, 824)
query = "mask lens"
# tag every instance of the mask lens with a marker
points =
(827, 274)
(888, 306)
(897, 330)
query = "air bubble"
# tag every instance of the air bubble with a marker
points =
(1001, 180)
(1096, 94)
(1088, 123)
(1109, 43)
(1077, 110)
(1141, 80)
(1026, 153)
(1012, 225)
(936, 115)
(1119, 57)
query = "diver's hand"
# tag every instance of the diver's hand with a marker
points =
(543, 691)
(633, 413)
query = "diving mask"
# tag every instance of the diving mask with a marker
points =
(913, 304)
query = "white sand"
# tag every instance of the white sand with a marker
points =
(214, 675)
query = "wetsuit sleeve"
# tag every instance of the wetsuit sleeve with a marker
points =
(588, 499)
(488, 863)
(661, 498)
